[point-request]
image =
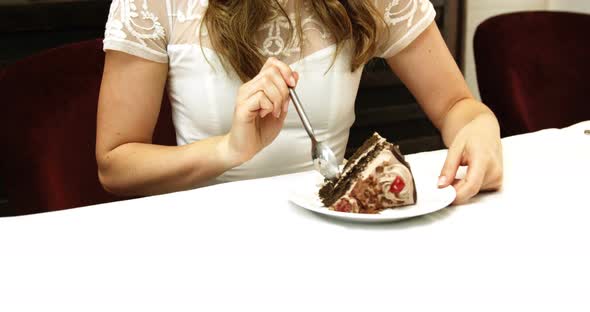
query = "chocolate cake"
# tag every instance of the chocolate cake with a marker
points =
(375, 178)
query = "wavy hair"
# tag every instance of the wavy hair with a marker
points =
(236, 23)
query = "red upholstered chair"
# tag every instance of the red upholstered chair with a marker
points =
(48, 129)
(533, 69)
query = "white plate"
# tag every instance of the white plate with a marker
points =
(430, 199)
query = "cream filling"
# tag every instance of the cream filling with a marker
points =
(362, 156)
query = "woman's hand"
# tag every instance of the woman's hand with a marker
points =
(478, 146)
(261, 107)
(467, 126)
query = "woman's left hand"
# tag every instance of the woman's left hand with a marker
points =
(477, 145)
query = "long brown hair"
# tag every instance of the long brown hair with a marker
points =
(233, 25)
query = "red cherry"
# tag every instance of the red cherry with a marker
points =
(397, 186)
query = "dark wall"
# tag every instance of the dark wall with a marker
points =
(31, 26)
(3, 200)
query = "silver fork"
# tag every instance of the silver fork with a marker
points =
(323, 158)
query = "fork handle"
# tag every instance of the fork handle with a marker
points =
(302, 114)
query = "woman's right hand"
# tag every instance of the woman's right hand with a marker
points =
(261, 107)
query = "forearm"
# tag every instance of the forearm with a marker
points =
(147, 169)
(462, 113)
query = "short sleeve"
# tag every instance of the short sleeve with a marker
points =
(138, 27)
(405, 21)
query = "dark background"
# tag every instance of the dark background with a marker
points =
(383, 103)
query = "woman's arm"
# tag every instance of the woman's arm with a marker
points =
(128, 164)
(129, 104)
(468, 127)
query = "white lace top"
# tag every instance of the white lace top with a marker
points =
(203, 94)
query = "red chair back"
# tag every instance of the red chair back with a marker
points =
(532, 69)
(48, 129)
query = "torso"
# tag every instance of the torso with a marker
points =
(203, 96)
(203, 93)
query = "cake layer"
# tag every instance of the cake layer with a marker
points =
(332, 191)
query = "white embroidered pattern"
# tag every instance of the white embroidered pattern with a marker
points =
(276, 40)
(275, 43)
(195, 11)
(125, 23)
(127, 19)
(394, 14)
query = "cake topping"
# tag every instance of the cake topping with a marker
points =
(393, 181)
(397, 186)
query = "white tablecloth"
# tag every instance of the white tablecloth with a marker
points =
(243, 246)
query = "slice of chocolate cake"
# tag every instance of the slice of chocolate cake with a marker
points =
(376, 177)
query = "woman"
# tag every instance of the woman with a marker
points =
(227, 66)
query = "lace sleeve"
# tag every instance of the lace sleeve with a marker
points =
(405, 20)
(137, 27)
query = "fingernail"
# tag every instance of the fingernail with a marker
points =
(442, 181)
(292, 82)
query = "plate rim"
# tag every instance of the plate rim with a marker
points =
(360, 217)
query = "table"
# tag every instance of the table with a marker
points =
(242, 246)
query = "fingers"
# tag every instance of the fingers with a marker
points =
(286, 107)
(286, 72)
(472, 183)
(258, 104)
(452, 163)
(274, 80)
(484, 173)
(283, 77)
(495, 173)
(268, 92)
(494, 177)
(266, 83)
(277, 91)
